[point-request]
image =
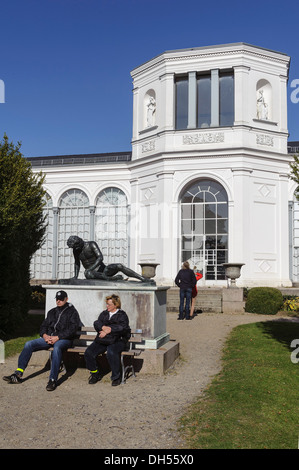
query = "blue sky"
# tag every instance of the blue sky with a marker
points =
(66, 63)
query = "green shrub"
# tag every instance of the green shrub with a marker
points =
(38, 297)
(265, 300)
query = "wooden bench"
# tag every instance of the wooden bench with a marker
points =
(87, 334)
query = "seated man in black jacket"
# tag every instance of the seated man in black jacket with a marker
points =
(113, 331)
(57, 330)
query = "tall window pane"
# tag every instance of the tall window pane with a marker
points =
(204, 227)
(74, 219)
(204, 101)
(111, 222)
(226, 99)
(181, 114)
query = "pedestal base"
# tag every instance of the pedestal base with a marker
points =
(232, 300)
(145, 305)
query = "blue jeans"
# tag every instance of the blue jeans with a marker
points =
(113, 356)
(185, 294)
(40, 344)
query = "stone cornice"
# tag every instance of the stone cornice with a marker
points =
(211, 52)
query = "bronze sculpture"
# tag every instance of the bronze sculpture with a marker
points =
(90, 256)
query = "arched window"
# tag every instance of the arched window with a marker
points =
(74, 219)
(204, 227)
(41, 264)
(111, 225)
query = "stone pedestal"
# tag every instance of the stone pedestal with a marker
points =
(145, 304)
(232, 300)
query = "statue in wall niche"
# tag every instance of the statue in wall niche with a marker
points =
(151, 110)
(90, 256)
(262, 107)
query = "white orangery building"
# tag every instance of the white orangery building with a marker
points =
(207, 179)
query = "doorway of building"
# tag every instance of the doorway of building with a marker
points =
(204, 228)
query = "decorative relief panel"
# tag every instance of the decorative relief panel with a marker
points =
(265, 191)
(148, 146)
(265, 266)
(148, 194)
(206, 138)
(264, 139)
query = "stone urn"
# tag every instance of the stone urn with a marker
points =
(148, 269)
(232, 272)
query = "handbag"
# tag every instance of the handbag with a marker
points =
(108, 339)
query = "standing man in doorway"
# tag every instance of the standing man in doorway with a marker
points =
(185, 280)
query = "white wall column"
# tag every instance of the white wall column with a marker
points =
(55, 242)
(133, 226)
(215, 98)
(283, 121)
(240, 229)
(241, 80)
(167, 101)
(165, 224)
(192, 100)
(92, 210)
(283, 231)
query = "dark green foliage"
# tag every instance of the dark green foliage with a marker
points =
(22, 228)
(265, 300)
(38, 297)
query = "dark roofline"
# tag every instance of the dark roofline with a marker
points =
(293, 147)
(81, 159)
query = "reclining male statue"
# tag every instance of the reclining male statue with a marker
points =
(91, 257)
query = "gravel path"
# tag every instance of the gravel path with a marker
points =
(77, 415)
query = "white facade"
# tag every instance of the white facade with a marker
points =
(207, 181)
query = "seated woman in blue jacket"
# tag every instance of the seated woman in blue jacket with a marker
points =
(113, 331)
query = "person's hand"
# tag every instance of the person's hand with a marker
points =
(106, 329)
(50, 339)
(54, 339)
(47, 338)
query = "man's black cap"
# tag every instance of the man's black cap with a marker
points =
(61, 295)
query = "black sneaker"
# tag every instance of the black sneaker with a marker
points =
(116, 382)
(94, 378)
(15, 378)
(51, 385)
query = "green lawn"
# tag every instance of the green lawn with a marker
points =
(253, 402)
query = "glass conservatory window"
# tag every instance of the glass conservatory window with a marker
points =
(221, 94)
(111, 225)
(295, 239)
(226, 99)
(41, 264)
(204, 101)
(204, 228)
(74, 219)
(181, 115)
